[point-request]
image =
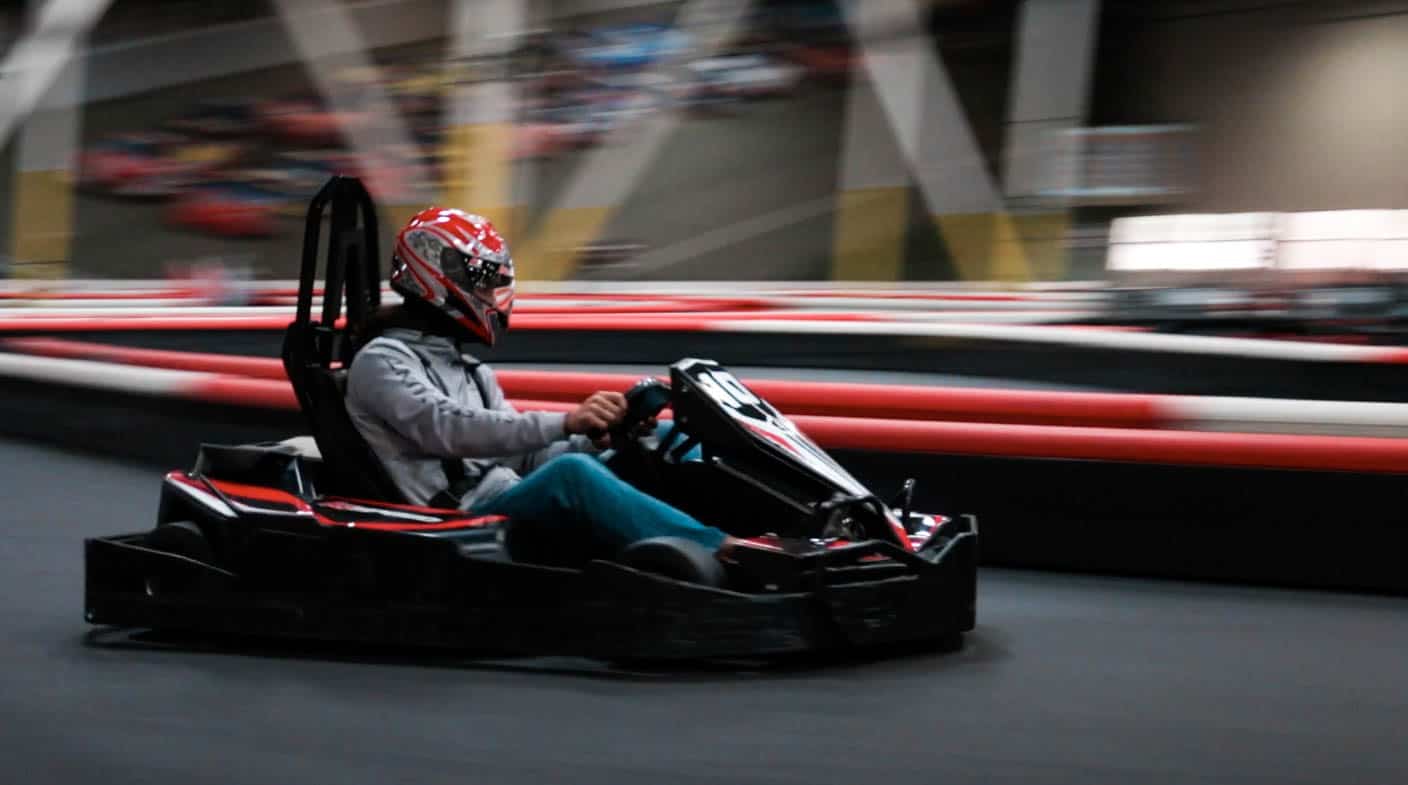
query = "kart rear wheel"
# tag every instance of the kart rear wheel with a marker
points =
(676, 557)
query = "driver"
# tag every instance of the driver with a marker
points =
(439, 422)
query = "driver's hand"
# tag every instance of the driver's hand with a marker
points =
(597, 414)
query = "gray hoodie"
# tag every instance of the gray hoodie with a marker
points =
(418, 400)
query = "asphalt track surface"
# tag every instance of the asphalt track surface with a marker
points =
(1067, 680)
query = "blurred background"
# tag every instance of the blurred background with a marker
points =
(986, 217)
(803, 140)
(806, 140)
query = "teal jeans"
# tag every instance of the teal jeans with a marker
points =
(575, 501)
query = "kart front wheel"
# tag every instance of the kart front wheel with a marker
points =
(182, 538)
(179, 538)
(675, 557)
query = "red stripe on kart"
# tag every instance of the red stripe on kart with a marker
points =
(764, 542)
(329, 500)
(463, 523)
(772, 437)
(237, 491)
(259, 493)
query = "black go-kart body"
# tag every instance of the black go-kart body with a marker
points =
(272, 542)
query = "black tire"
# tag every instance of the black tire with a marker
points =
(677, 558)
(182, 538)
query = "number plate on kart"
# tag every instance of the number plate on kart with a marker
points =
(764, 423)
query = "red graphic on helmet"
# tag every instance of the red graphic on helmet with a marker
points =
(458, 263)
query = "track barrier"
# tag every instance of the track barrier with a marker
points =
(1299, 510)
(912, 327)
(1260, 450)
(850, 400)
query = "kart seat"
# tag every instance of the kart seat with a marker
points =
(350, 468)
(316, 353)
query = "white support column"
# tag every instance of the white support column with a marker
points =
(1056, 47)
(872, 208)
(478, 147)
(938, 145)
(327, 40)
(42, 226)
(36, 60)
(1051, 92)
(41, 92)
(603, 180)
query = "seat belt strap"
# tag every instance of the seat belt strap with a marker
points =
(458, 484)
(457, 480)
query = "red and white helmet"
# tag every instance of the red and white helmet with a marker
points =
(458, 263)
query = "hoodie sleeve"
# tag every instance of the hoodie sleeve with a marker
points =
(528, 461)
(394, 386)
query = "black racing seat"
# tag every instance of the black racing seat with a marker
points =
(317, 353)
(350, 468)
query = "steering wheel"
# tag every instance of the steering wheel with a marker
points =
(643, 401)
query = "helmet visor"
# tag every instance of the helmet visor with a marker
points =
(472, 273)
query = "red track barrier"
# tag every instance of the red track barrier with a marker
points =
(233, 365)
(607, 322)
(1271, 451)
(849, 400)
(63, 324)
(238, 391)
(936, 296)
(836, 399)
(148, 294)
(1276, 451)
(828, 399)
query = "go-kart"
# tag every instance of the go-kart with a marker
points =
(275, 541)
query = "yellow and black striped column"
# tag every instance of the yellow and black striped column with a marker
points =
(604, 178)
(42, 203)
(872, 207)
(940, 150)
(477, 151)
(1050, 93)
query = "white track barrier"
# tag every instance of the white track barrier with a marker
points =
(127, 309)
(1306, 248)
(777, 323)
(1093, 339)
(1145, 412)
